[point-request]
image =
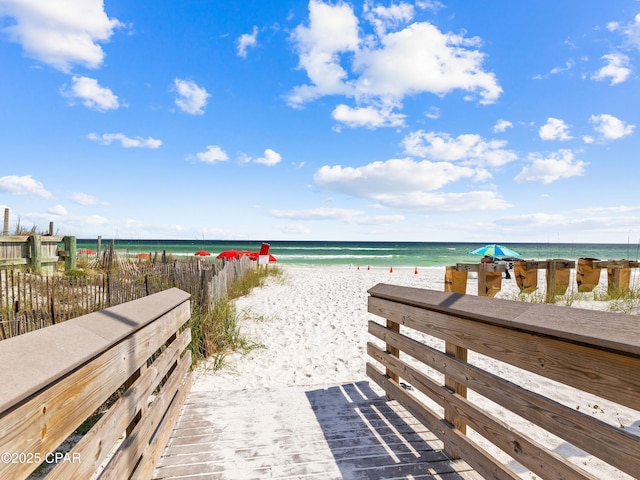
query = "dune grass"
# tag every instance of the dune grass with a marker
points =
(216, 333)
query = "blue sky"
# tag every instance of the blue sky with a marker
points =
(294, 120)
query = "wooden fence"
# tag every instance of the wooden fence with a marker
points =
(593, 352)
(40, 253)
(32, 301)
(135, 354)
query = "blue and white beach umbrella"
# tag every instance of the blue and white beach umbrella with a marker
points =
(494, 250)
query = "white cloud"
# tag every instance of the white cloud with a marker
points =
(433, 113)
(554, 129)
(24, 185)
(632, 32)
(383, 18)
(58, 210)
(569, 64)
(370, 117)
(470, 149)
(610, 127)
(317, 214)
(617, 68)
(91, 94)
(420, 58)
(212, 154)
(439, 202)
(502, 125)
(613, 26)
(433, 5)
(344, 215)
(85, 199)
(382, 69)
(247, 40)
(393, 176)
(191, 98)
(60, 33)
(270, 158)
(557, 165)
(332, 30)
(126, 142)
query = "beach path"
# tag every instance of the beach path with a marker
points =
(347, 431)
(301, 406)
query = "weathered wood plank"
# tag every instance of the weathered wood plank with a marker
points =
(520, 447)
(583, 431)
(601, 329)
(347, 431)
(124, 461)
(542, 339)
(52, 355)
(37, 424)
(484, 463)
(95, 445)
(601, 372)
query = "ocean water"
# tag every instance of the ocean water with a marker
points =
(374, 254)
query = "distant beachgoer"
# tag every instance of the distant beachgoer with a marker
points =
(486, 259)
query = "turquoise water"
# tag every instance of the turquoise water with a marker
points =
(374, 254)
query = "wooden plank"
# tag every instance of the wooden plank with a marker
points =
(603, 373)
(51, 355)
(612, 444)
(611, 331)
(155, 448)
(521, 448)
(393, 326)
(458, 387)
(41, 423)
(482, 461)
(125, 460)
(97, 443)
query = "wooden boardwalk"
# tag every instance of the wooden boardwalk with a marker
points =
(338, 432)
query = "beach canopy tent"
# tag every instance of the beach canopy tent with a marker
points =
(202, 253)
(494, 250)
(86, 251)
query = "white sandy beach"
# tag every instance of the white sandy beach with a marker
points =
(312, 324)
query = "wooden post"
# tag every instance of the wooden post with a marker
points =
(618, 274)
(111, 253)
(5, 230)
(70, 249)
(551, 281)
(482, 280)
(99, 245)
(51, 229)
(35, 255)
(460, 389)
(394, 327)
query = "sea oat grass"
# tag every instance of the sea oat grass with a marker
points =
(216, 332)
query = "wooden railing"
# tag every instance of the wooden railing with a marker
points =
(126, 368)
(593, 352)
